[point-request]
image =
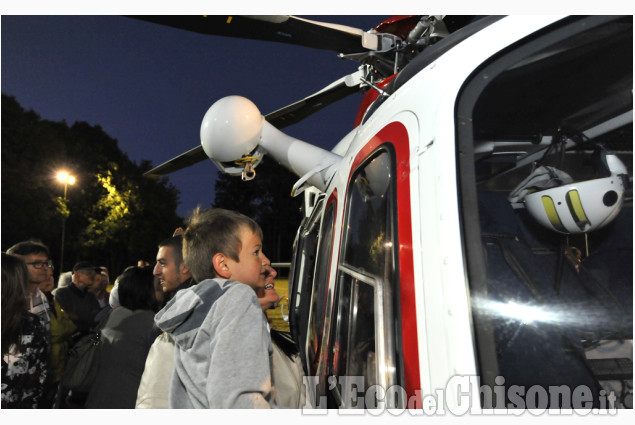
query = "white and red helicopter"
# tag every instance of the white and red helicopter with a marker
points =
(469, 243)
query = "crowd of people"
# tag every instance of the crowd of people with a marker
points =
(189, 332)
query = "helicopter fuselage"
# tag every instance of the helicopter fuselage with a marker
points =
(386, 243)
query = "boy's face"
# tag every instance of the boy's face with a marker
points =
(251, 267)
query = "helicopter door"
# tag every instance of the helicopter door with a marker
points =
(362, 349)
(320, 300)
(302, 277)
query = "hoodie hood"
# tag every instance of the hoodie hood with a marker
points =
(184, 314)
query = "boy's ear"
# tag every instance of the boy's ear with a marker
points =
(220, 265)
(184, 268)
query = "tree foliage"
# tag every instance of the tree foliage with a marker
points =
(114, 216)
(267, 199)
(111, 215)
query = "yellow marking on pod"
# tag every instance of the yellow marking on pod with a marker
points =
(577, 211)
(552, 214)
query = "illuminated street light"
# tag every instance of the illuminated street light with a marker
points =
(64, 177)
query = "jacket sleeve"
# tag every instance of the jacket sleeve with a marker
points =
(240, 368)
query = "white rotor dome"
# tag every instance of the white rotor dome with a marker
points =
(231, 128)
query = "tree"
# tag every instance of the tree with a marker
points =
(114, 215)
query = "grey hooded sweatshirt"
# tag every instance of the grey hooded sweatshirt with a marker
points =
(223, 352)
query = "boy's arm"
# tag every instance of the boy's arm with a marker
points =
(239, 373)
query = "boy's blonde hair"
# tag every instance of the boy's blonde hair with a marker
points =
(213, 231)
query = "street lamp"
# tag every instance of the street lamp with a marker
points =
(64, 177)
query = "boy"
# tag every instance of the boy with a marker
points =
(223, 349)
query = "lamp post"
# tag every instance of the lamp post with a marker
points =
(66, 179)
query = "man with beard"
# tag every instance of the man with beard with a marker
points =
(171, 270)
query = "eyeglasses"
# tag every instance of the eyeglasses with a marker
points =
(40, 264)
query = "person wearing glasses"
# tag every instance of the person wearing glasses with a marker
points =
(36, 256)
(40, 269)
(24, 341)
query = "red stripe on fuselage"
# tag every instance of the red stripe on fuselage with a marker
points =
(396, 134)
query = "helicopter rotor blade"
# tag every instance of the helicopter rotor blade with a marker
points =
(281, 118)
(301, 109)
(191, 157)
(279, 28)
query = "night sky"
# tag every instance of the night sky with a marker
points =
(149, 86)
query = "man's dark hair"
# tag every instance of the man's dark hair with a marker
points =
(136, 288)
(176, 243)
(29, 247)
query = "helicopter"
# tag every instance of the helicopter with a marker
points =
(468, 244)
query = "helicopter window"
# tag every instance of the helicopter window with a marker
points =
(301, 280)
(319, 300)
(552, 305)
(362, 343)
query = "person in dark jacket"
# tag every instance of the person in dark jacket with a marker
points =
(76, 300)
(126, 339)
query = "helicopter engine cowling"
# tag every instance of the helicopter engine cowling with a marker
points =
(233, 129)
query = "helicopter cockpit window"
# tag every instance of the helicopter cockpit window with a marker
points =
(361, 346)
(551, 288)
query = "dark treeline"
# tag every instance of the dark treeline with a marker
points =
(114, 216)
